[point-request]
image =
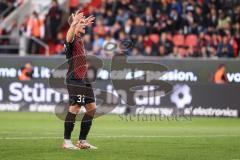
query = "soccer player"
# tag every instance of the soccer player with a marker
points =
(79, 89)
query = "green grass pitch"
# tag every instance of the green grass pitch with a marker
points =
(38, 136)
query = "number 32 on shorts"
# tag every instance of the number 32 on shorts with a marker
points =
(81, 98)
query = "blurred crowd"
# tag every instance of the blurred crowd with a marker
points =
(7, 6)
(34, 27)
(173, 28)
(190, 28)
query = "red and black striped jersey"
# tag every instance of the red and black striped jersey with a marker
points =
(76, 56)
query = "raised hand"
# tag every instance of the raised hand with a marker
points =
(77, 17)
(89, 20)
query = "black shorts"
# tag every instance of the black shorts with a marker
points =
(80, 93)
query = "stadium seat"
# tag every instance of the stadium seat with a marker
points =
(154, 38)
(178, 40)
(191, 40)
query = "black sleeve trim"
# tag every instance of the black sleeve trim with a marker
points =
(68, 49)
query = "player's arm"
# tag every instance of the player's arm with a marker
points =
(73, 21)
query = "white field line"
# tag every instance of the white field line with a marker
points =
(122, 136)
(2, 133)
(34, 133)
(28, 133)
